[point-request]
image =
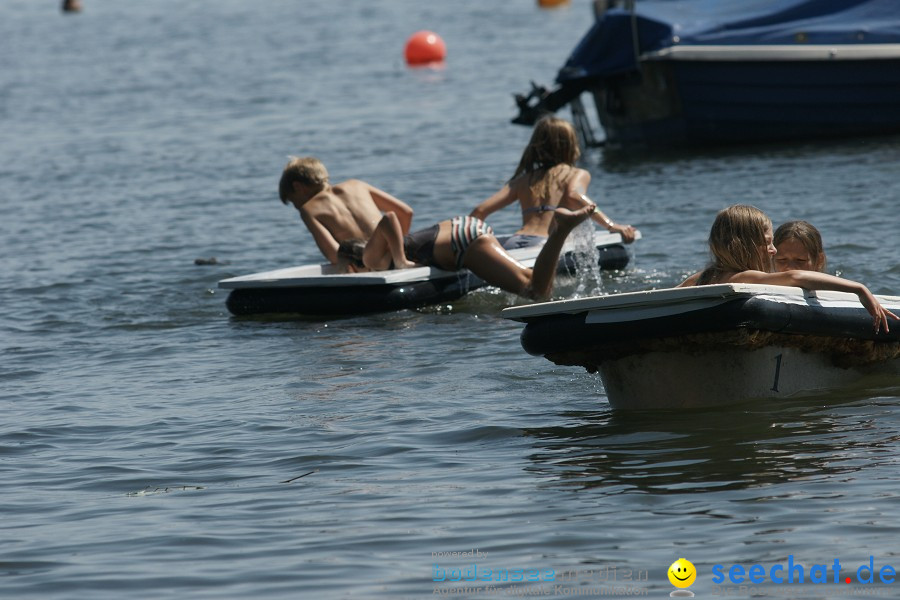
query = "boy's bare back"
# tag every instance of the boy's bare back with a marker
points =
(337, 213)
(346, 210)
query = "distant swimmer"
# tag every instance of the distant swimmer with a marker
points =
(71, 6)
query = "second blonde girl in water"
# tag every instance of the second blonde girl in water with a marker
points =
(799, 246)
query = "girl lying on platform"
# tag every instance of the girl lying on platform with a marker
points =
(464, 242)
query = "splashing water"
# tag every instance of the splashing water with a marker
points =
(587, 261)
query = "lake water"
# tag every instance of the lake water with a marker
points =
(153, 446)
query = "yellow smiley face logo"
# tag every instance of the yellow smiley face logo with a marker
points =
(682, 573)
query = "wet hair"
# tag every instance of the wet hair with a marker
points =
(351, 252)
(808, 236)
(308, 170)
(737, 242)
(553, 142)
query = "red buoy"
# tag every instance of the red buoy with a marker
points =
(424, 47)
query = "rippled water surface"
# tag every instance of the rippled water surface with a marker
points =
(154, 446)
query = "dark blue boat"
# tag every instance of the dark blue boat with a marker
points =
(674, 72)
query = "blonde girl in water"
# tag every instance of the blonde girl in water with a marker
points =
(741, 244)
(547, 179)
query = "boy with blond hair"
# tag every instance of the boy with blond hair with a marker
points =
(352, 209)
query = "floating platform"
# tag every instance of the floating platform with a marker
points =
(317, 290)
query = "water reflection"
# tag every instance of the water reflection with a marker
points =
(771, 442)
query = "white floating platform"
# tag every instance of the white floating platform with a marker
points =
(319, 290)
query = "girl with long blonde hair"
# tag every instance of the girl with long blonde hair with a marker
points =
(545, 179)
(742, 249)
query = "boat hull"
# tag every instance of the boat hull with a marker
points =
(702, 379)
(702, 102)
(713, 345)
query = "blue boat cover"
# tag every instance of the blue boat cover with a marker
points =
(608, 48)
